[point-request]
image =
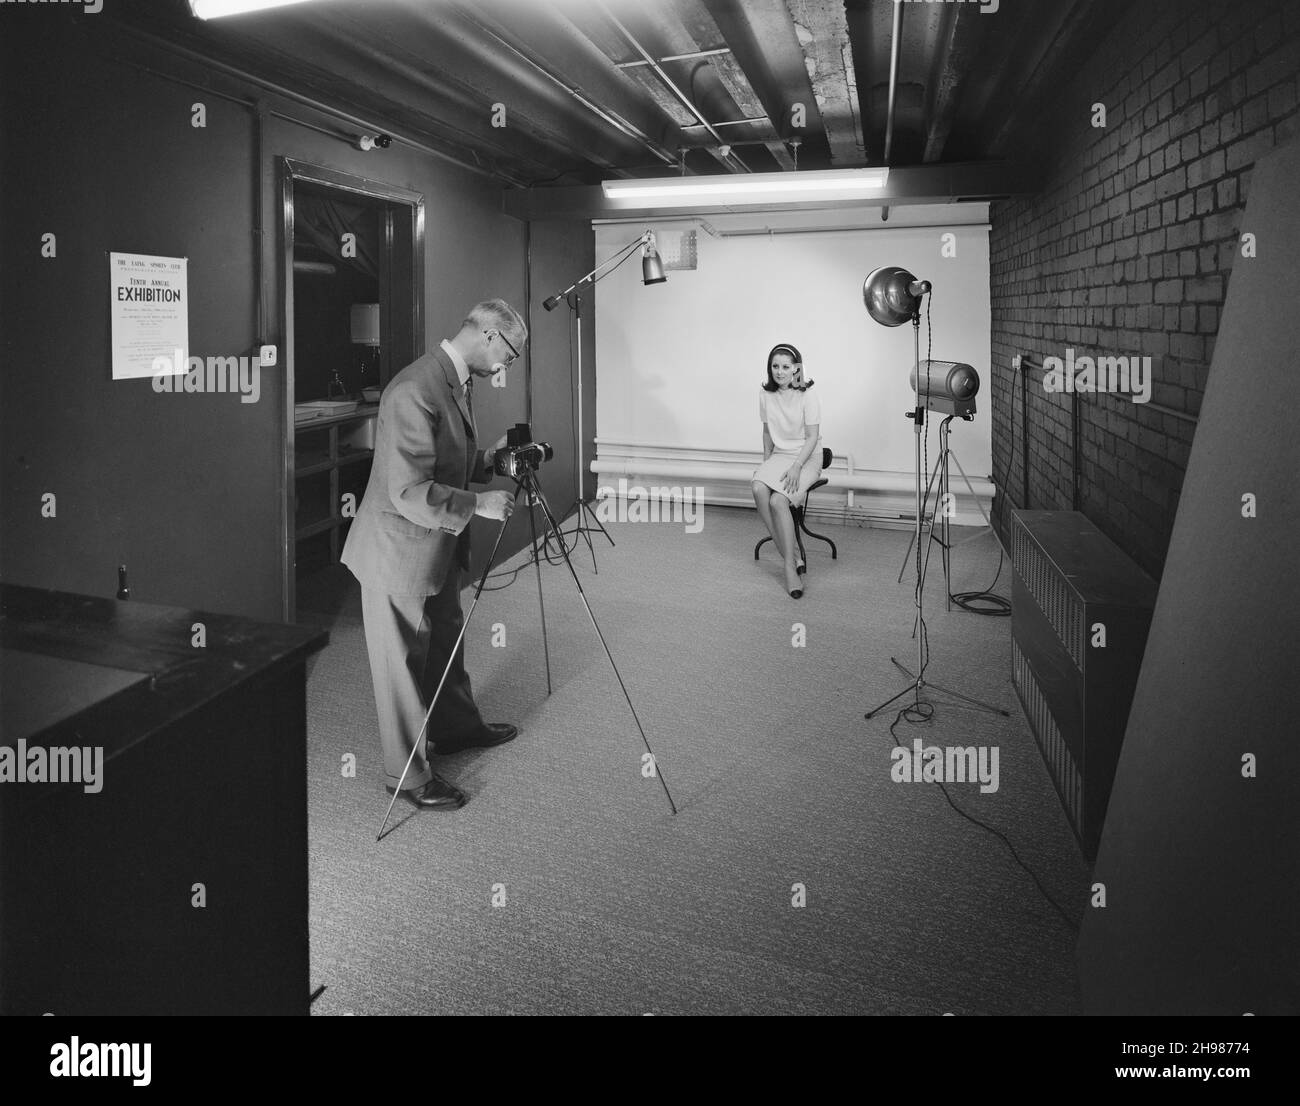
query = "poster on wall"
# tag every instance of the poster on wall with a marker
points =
(149, 301)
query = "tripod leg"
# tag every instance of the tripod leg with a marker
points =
(550, 519)
(979, 703)
(450, 660)
(585, 531)
(600, 525)
(913, 537)
(541, 602)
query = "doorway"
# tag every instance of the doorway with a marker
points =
(353, 279)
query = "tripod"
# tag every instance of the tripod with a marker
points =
(527, 482)
(940, 473)
(918, 681)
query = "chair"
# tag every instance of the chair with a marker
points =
(797, 510)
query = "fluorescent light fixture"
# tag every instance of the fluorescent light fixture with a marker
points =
(752, 188)
(215, 9)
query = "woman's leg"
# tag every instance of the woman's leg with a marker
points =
(762, 500)
(785, 527)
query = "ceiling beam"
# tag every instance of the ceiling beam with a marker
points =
(611, 39)
(701, 25)
(822, 29)
(957, 45)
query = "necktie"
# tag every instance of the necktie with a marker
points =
(469, 402)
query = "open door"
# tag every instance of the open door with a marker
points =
(353, 280)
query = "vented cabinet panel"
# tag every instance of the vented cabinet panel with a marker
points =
(1080, 611)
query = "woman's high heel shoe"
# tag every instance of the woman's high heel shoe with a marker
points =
(796, 591)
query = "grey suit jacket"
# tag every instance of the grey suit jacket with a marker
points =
(414, 517)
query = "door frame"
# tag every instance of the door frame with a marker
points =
(293, 173)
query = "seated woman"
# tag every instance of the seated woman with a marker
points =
(792, 456)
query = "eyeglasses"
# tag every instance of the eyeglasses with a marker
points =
(514, 353)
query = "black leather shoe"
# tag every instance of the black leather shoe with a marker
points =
(437, 794)
(492, 733)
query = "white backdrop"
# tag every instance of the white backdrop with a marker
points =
(678, 365)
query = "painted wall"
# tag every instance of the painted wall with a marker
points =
(680, 364)
(185, 489)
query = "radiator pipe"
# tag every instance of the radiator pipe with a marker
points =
(1027, 362)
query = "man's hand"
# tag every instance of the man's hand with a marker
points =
(490, 455)
(495, 505)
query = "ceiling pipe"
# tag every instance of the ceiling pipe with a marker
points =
(668, 83)
(618, 123)
(895, 48)
(680, 57)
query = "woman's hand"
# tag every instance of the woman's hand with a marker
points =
(790, 481)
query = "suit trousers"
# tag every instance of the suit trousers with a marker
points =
(409, 638)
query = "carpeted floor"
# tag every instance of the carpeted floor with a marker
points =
(609, 904)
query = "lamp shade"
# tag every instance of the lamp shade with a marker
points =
(888, 293)
(365, 324)
(652, 267)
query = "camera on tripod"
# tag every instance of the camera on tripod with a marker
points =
(521, 453)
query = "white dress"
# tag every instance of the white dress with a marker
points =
(787, 413)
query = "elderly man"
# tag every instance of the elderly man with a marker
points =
(410, 541)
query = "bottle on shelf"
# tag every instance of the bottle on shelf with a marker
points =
(123, 592)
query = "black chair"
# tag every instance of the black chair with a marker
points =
(797, 510)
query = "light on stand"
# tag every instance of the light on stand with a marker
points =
(892, 296)
(652, 266)
(947, 386)
(652, 272)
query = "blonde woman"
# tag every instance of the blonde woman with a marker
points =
(792, 460)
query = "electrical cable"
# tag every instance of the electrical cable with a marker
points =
(551, 557)
(916, 715)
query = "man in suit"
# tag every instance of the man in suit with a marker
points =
(410, 541)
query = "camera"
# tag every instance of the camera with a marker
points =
(521, 453)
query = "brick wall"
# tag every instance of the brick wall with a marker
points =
(1128, 250)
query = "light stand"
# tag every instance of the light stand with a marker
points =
(940, 473)
(892, 297)
(651, 273)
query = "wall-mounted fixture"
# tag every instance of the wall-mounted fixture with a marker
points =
(373, 141)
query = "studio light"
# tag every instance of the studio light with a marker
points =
(893, 296)
(652, 272)
(216, 9)
(948, 387)
(652, 266)
(751, 188)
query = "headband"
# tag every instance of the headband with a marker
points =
(798, 357)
